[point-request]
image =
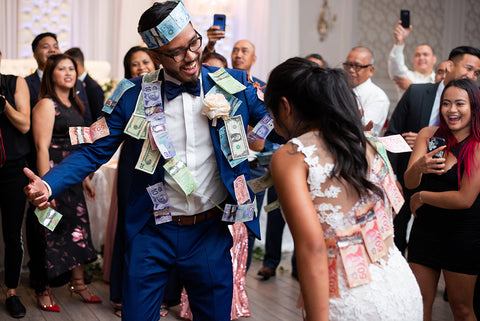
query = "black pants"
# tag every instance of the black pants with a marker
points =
(12, 205)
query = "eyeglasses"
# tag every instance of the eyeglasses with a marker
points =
(356, 67)
(180, 54)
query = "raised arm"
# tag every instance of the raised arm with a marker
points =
(396, 59)
(289, 173)
(20, 115)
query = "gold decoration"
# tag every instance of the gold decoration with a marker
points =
(325, 21)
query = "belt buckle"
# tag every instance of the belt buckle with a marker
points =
(179, 220)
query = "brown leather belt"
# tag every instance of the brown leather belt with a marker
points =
(198, 218)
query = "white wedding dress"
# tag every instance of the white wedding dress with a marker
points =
(393, 294)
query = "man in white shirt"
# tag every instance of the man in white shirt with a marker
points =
(372, 99)
(423, 62)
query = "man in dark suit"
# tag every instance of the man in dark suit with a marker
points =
(418, 108)
(94, 91)
(43, 46)
(196, 242)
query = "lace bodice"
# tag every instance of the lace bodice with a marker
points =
(335, 206)
(393, 293)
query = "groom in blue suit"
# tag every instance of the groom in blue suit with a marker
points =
(196, 243)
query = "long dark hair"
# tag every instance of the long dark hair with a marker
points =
(323, 99)
(47, 86)
(127, 60)
(466, 157)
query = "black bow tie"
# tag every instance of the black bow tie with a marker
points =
(172, 90)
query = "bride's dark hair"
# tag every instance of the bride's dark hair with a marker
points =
(323, 99)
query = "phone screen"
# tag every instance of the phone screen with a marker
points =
(434, 143)
(405, 17)
(219, 20)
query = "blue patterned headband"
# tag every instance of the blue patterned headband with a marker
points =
(168, 29)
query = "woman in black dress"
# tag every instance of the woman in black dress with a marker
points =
(446, 232)
(69, 246)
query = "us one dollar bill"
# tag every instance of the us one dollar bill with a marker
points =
(149, 158)
(237, 139)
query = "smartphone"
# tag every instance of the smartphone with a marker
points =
(219, 20)
(405, 17)
(434, 143)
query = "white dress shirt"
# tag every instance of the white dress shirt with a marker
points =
(434, 116)
(397, 68)
(190, 134)
(374, 103)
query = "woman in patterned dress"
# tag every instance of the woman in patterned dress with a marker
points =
(69, 246)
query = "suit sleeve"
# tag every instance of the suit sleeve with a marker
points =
(88, 158)
(95, 98)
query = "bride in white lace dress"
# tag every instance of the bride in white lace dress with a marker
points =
(336, 190)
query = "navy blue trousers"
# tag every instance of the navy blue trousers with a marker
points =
(200, 253)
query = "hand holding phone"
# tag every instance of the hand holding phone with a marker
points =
(405, 18)
(434, 143)
(219, 20)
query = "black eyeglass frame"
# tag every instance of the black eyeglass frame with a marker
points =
(184, 50)
(356, 67)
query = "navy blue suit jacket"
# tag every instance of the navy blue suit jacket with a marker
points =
(134, 202)
(33, 82)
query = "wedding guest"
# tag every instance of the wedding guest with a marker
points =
(445, 235)
(68, 247)
(14, 148)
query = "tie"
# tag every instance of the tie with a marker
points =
(172, 90)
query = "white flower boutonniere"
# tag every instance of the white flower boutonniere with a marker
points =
(216, 106)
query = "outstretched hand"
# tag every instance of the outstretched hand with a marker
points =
(36, 191)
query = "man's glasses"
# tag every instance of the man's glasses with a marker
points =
(180, 54)
(356, 67)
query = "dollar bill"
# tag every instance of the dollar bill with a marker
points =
(180, 173)
(79, 135)
(239, 213)
(232, 100)
(149, 158)
(161, 138)
(261, 129)
(84, 135)
(223, 79)
(272, 206)
(159, 196)
(237, 139)
(48, 217)
(264, 158)
(261, 183)
(241, 190)
(136, 126)
(152, 100)
(226, 149)
(112, 101)
(162, 216)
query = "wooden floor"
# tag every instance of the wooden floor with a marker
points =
(270, 300)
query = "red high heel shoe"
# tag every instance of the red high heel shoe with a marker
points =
(78, 286)
(52, 307)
